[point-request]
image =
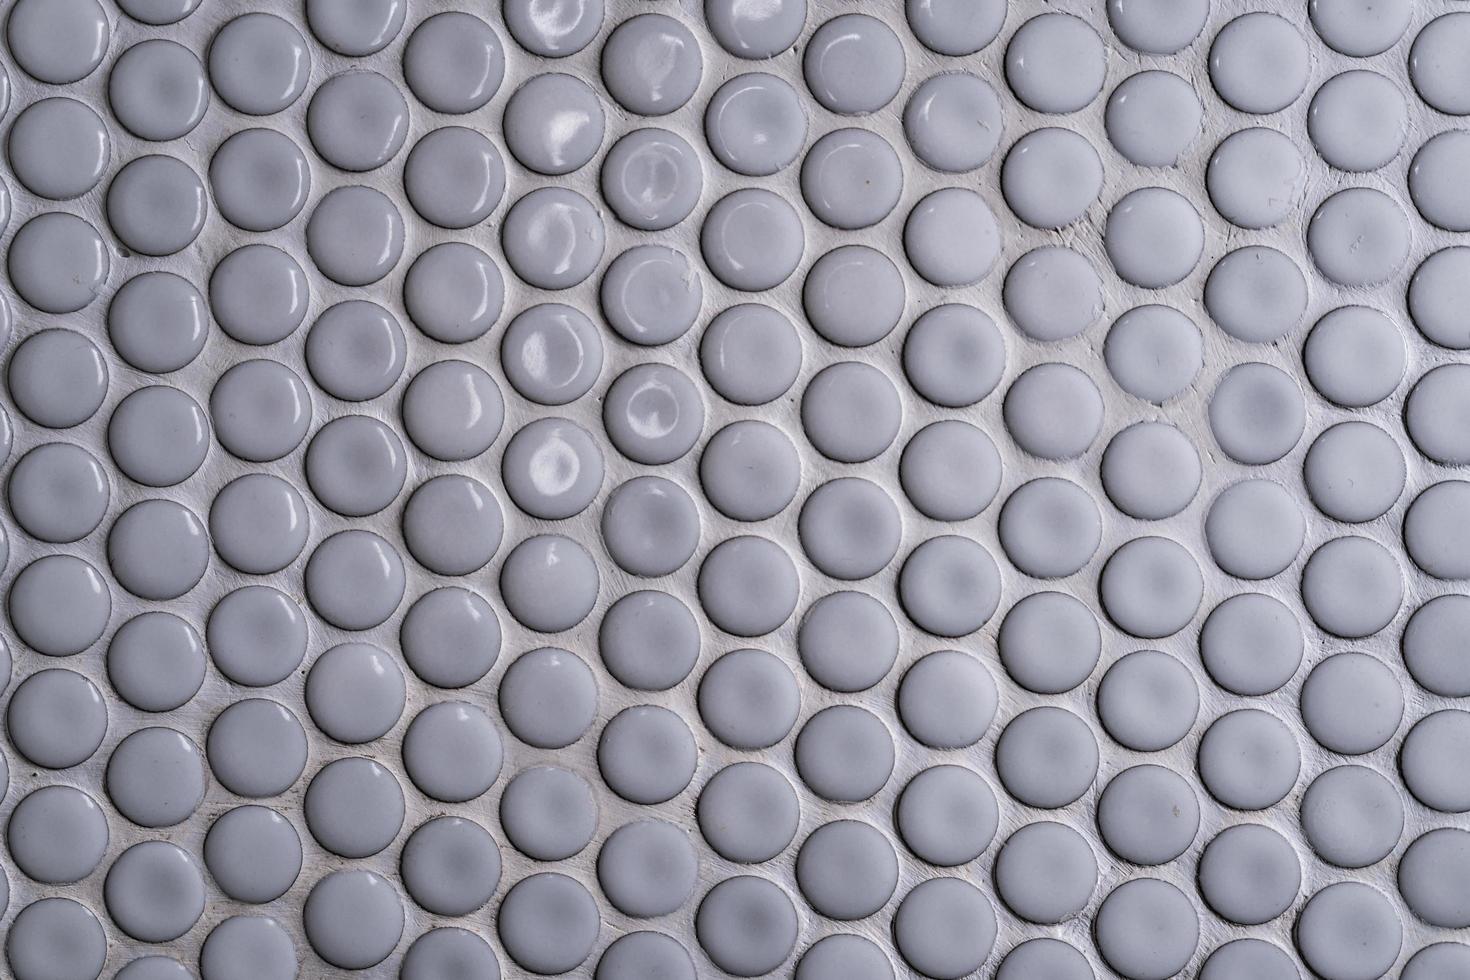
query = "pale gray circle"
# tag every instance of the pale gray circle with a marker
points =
(156, 777)
(260, 409)
(755, 124)
(452, 524)
(940, 118)
(1053, 411)
(256, 636)
(847, 641)
(1151, 470)
(450, 637)
(1249, 874)
(1438, 398)
(353, 919)
(853, 64)
(553, 29)
(851, 178)
(748, 586)
(154, 968)
(1358, 119)
(1249, 958)
(1055, 63)
(954, 355)
(853, 296)
(548, 698)
(1148, 815)
(55, 937)
(446, 952)
(1052, 293)
(354, 579)
(1158, 26)
(647, 868)
(1254, 529)
(1259, 63)
(450, 866)
(155, 662)
(955, 27)
(748, 812)
(754, 33)
(454, 177)
(1429, 875)
(646, 754)
(1426, 761)
(1440, 961)
(553, 238)
(1049, 642)
(355, 465)
(551, 354)
(1354, 472)
(253, 854)
(1146, 929)
(649, 640)
(1359, 237)
(158, 436)
(158, 549)
(1349, 930)
(1256, 294)
(1437, 65)
(750, 470)
(58, 492)
(452, 751)
(256, 748)
(59, 605)
(56, 377)
(1051, 177)
(258, 523)
(59, 148)
(1352, 816)
(1046, 757)
(248, 947)
(1437, 294)
(844, 955)
(259, 64)
(157, 90)
(549, 583)
(650, 526)
(947, 815)
(749, 699)
(1257, 413)
(1049, 528)
(850, 528)
(1251, 644)
(157, 322)
(949, 586)
(452, 410)
(57, 41)
(548, 813)
(1360, 28)
(355, 235)
(1051, 958)
(651, 295)
(951, 237)
(947, 700)
(1153, 117)
(158, 12)
(552, 468)
(652, 179)
(553, 124)
(944, 928)
(752, 239)
(57, 835)
(357, 120)
(1151, 587)
(57, 263)
(851, 411)
(950, 470)
(1154, 237)
(651, 64)
(156, 205)
(747, 926)
(353, 807)
(1147, 701)
(355, 350)
(1254, 177)
(1248, 759)
(354, 28)
(844, 754)
(1352, 587)
(453, 293)
(1045, 872)
(258, 294)
(453, 62)
(1431, 643)
(548, 923)
(1154, 352)
(355, 693)
(846, 870)
(154, 892)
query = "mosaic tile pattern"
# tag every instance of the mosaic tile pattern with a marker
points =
(755, 487)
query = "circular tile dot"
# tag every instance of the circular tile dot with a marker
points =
(353, 29)
(58, 42)
(257, 636)
(944, 927)
(1351, 703)
(1157, 26)
(748, 812)
(651, 295)
(1046, 757)
(156, 777)
(156, 661)
(853, 64)
(355, 235)
(59, 605)
(154, 891)
(844, 754)
(549, 583)
(1354, 472)
(947, 815)
(1249, 874)
(357, 121)
(752, 240)
(1251, 644)
(453, 293)
(258, 523)
(1045, 957)
(1434, 298)
(452, 752)
(256, 748)
(1437, 65)
(1154, 352)
(548, 923)
(1349, 929)
(954, 355)
(552, 238)
(651, 179)
(1049, 642)
(1146, 928)
(1256, 294)
(454, 177)
(1429, 642)
(59, 148)
(850, 411)
(1359, 237)
(1427, 876)
(354, 579)
(1050, 528)
(950, 470)
(450, 866)
(247, 946)
(1358, 28)
(156, 205)
(253, 854)
(1045, 872)
(259, 64)
(548, 698)
(1055, 63)
(1259, 63)
(939, 119)
(848, 641)
(846, 870)
(157, 322)
(949, 586)
(447, 950)
(58, 492)
(646, 754)
(649, 640)
(1352, 587)
(353, 919)
(158, 549)
(1151, 587)
(849, 528)
(1248, 759)
(1150, 470)
(647, 868)
(1357, 120)
(1053, 411)
(158, 90)
(57, 835)
(1147, 701)
(1153, 117)
(1424, 761)
(651, 64)
(1257, 413)
(453, 62)
(355, 350)
(1153, 237)
(1254, 529)
(844, 955)
(57, 262)
(755, 34)
(750, 470)
(354, 693)
(947, 700)
(548, 813)
(355, 465)
(951, 238)
(1434, 401)
(851, 179)
(450, 637)
(1254, 178)
(755, 124)
(1051, 177)
(552, 469)
(353, 807)
(1052, 293)
(54, 936)
(553, 124)
(57, 378)
(551, 354)
(452, 525)
(1148, 815)
(157, 436)
(452, 410)
(1352, 817)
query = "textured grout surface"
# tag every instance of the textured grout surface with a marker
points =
(757, 487)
